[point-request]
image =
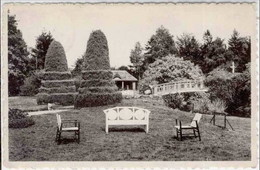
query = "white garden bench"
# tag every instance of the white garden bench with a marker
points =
(127, 116)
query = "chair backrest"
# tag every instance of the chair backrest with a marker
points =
(197, 118)
(58, 120)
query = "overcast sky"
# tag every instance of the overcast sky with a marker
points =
(125, 24)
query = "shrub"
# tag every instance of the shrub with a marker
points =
(19, 119)
(62, 89)
(173, 100)
(96, 83)
(97, 55)
(217, 106)
(55, 59)
(57, 83)
(170, 69)
(97, 99)
(97, 74)
(56, 75)
(31, 86)
(233, 89)
(97, 87)
(61, 98)
(196, 101)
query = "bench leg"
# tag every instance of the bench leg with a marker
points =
(147, 128)
(106, 128)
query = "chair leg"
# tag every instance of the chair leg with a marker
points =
(57, 135)
(177, 134)
(194, 132)
(59, 138)
(181, 134)
(199, 133)
(78, 137)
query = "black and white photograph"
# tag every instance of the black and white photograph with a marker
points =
(134, 84)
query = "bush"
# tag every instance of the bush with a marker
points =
(170, 69)
(98, 89)
(96, 83)
(31, 86)
(196, 101)
(173, 100)
(97, 74)
(19, 119)
(97, 55)
(97, 99)
(55, 59)
(57, 83)
(233, 89)
(61, 98)
(56, 75)
(62, 89)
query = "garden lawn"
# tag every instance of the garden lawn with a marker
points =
(130, 143)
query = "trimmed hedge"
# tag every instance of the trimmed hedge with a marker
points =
(19, 119)
(96, 83)
(62, 89)
(97, 74)
(97, 99)
(56, 75)
(57, 83)
(98, 89)
(55, 59)
(61, 98)
(97, 55)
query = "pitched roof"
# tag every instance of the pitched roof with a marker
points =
(122, 75)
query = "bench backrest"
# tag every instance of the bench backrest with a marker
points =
(126, 113)
(197, 118)
(58, 120)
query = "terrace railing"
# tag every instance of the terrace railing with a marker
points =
(179, 87)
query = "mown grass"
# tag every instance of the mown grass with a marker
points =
(36, 143)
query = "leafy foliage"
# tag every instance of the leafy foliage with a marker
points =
(137, 58)
(160, 45)
(213, 53)
(18, 67)
(55, 59)
(170, 69)
(78, 67)
(31, 86)
(97, 54)
(189, 48)
(239, 51)
(233, 89)
(43, 42)
(96, 87)
(19, 119)
(60, 98)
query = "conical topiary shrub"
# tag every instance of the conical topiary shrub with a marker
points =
(97, 86)
(57, 84)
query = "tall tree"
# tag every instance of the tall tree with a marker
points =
(239, 51)
(213, 52)
(17, 57)
(137, 58)
(160, 45)
(189, 48)
(39, 52)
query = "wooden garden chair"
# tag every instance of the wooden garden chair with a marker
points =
(194, 125)
(67, 126)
